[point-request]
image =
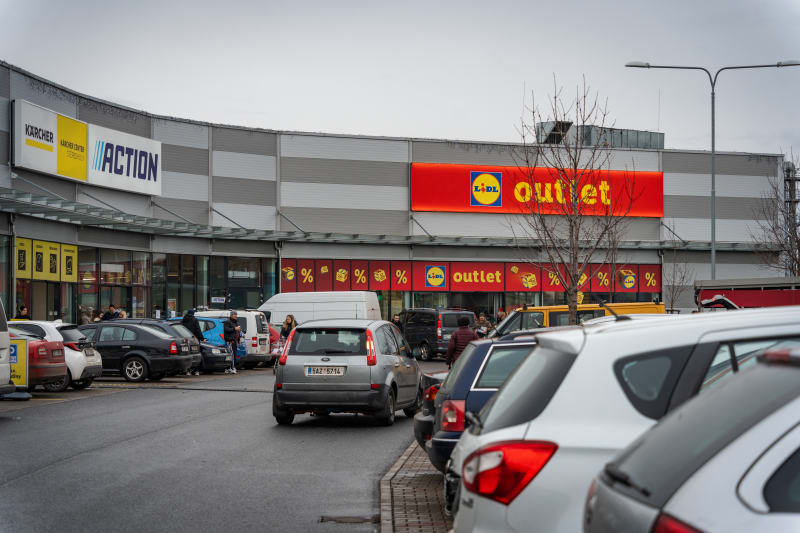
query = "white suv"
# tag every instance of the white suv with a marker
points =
(6, 385)
(582, 396)
(84, 362)
(255, 331)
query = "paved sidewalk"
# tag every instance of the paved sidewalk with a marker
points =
(412, 496)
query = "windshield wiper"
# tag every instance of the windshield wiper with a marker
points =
(474, 419)
(614, 472)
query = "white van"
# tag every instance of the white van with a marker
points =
(307, 306)
(255, 330)
(6, 385)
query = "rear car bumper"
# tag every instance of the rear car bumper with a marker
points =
(348, 401)
(94, 371)
(170, 365)
(423, 428)
(440, 447)
(257, 358)
(215, 362)
(41, 374)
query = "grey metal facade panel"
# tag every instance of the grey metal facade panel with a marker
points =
(352, 148)
(184, 186)
(243, 191)
(355, 197)
(642, 229)
(365, 221)
(180, 245)
(127, 202)
(46, 230)
(180, 133)
(114, 118)
(5, 157)
(467, 153)
(193, 210)
(744, 164)
(184, 159)
(723, 258)
(246, 215)
(60, 186)
(5, 114)
(700, 207)
(125, 240)
(244, 141)
(43, 94)
(314, 170)
(240, 165)
(242, 248)
(5, 81)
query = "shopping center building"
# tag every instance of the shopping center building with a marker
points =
(100, 203)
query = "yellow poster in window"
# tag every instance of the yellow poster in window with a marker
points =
(46, 261)
(23, 257)
(69, 263)
(19, 362)
(71, 148)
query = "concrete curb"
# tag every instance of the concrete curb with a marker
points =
(387, 518)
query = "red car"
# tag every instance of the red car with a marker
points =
(45, 358)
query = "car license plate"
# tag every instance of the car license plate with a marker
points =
(324, 371)
(447, 337)
(184, 349)
(262, 341)
(227, 357)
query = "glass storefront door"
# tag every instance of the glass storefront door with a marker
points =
(488, 303)
(119, 296)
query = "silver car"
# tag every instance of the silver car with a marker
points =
(727, 461)
(346, 366)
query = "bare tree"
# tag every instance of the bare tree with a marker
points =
(568, 213)
(778, 222)
(675, 279)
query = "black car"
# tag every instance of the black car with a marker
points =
(189, 343)
(137, 351)
(429, 329)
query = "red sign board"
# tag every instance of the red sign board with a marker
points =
(359, 273)
(401, 275)
(341, 275)
(305, 275)
(324, 274)
(431, 276)
(649, 278)
(480, 277)
(626, 278)
(380, 273)
(445, 187)
(601, 278)
(523, 277)
(550, 279)
(289, 275)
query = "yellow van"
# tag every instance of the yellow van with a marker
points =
(558, 315)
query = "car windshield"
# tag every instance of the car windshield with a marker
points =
(329, 341)
(519, 321)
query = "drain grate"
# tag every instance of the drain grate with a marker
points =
(374, 519)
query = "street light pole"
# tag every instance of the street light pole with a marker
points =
(713, 81)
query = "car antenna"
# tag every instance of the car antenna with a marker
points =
(605, 306)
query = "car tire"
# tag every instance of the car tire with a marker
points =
(82, 384)
(134, 369)
(58, 386)
(386, 416)
(157, 377)
(411, 411)
(283, 418)
(424, 352)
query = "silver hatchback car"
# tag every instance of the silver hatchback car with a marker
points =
(346, 366)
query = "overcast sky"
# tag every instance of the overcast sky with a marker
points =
(455, 70)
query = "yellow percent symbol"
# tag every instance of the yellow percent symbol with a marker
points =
(401, 276)
(650, 279)
(603, 278)
(361, 275)
(553, 277)
(582, 279)
(308, 275)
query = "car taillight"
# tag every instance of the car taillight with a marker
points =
(372, 358)
(255, 342)
(42, 350)
(173, 348)
(501, 471)
(453, 415)
(667, 524)
(285, 353)
(439, 327)
(430, 392)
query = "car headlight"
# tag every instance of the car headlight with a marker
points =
(216, 351)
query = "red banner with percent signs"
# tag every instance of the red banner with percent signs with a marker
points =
(626, 278)
(550, 279)
(305, 275)
(341, 275)
(324, 275)
(359, 271)
(523, 277)
(401, 275)
(289, 275)
(650, 278)
(380, 275)
(601, 278)
(445, 187)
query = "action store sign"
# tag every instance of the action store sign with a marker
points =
(123, 161)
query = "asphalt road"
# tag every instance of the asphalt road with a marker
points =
(207, 458)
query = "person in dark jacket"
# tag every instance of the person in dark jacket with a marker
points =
(191, 323)
(112, 313)
(288, 325)
(459, 340)
(231, 331)
(397, 322)
(23, 313)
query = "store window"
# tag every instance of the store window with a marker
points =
(202, 277)
(554, 298)
(173, 284)
(398, 301)
(244, 282)
(65, 300)
(268, 278)
(141, 268)
(5, 242)
(115, 267)
(218, 277)
(158, 285)
(23, 296)
(187, 283)
(430, 299)
(88, 275)
(515, 300)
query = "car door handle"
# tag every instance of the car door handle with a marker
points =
(125, 347)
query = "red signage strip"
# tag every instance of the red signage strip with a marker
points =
(482, 277)
(523, 277)
(456, 188)
(289, 275)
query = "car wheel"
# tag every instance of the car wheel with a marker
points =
(157, 377)
(386, 417)
(58, 386)
(424, 352)
(284, 418)
(82, 384)
(134, 369)
(411, 411)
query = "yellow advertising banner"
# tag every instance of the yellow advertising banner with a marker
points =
(23, 258)
(69, 263)
(71, 148)
(46, 261)
(19, 362)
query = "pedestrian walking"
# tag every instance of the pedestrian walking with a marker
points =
(23, 313)
(482, 326)
(231, 333)
(191, 323)
(397, 322)
(459, 340)
(288, 325)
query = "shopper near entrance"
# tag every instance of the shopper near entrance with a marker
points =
(482, 326)
(23, 313)
(459, 340)
(396, 321)
(231, 332)
(288, 325)
(112, 313)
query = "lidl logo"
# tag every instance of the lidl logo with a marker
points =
(434, 276)
(627, 278)
(288, 273)
(486, 189)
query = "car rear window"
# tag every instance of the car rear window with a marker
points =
(261, 323)
(155, 331)
(458, 368)
(527, 391)
(242, 321)
(183, 331)
(345, 341)
(782, 491)
(450, 320)
(31, 329)
(72, 334)
(666, 456)
(501, 362)
(24, 333)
